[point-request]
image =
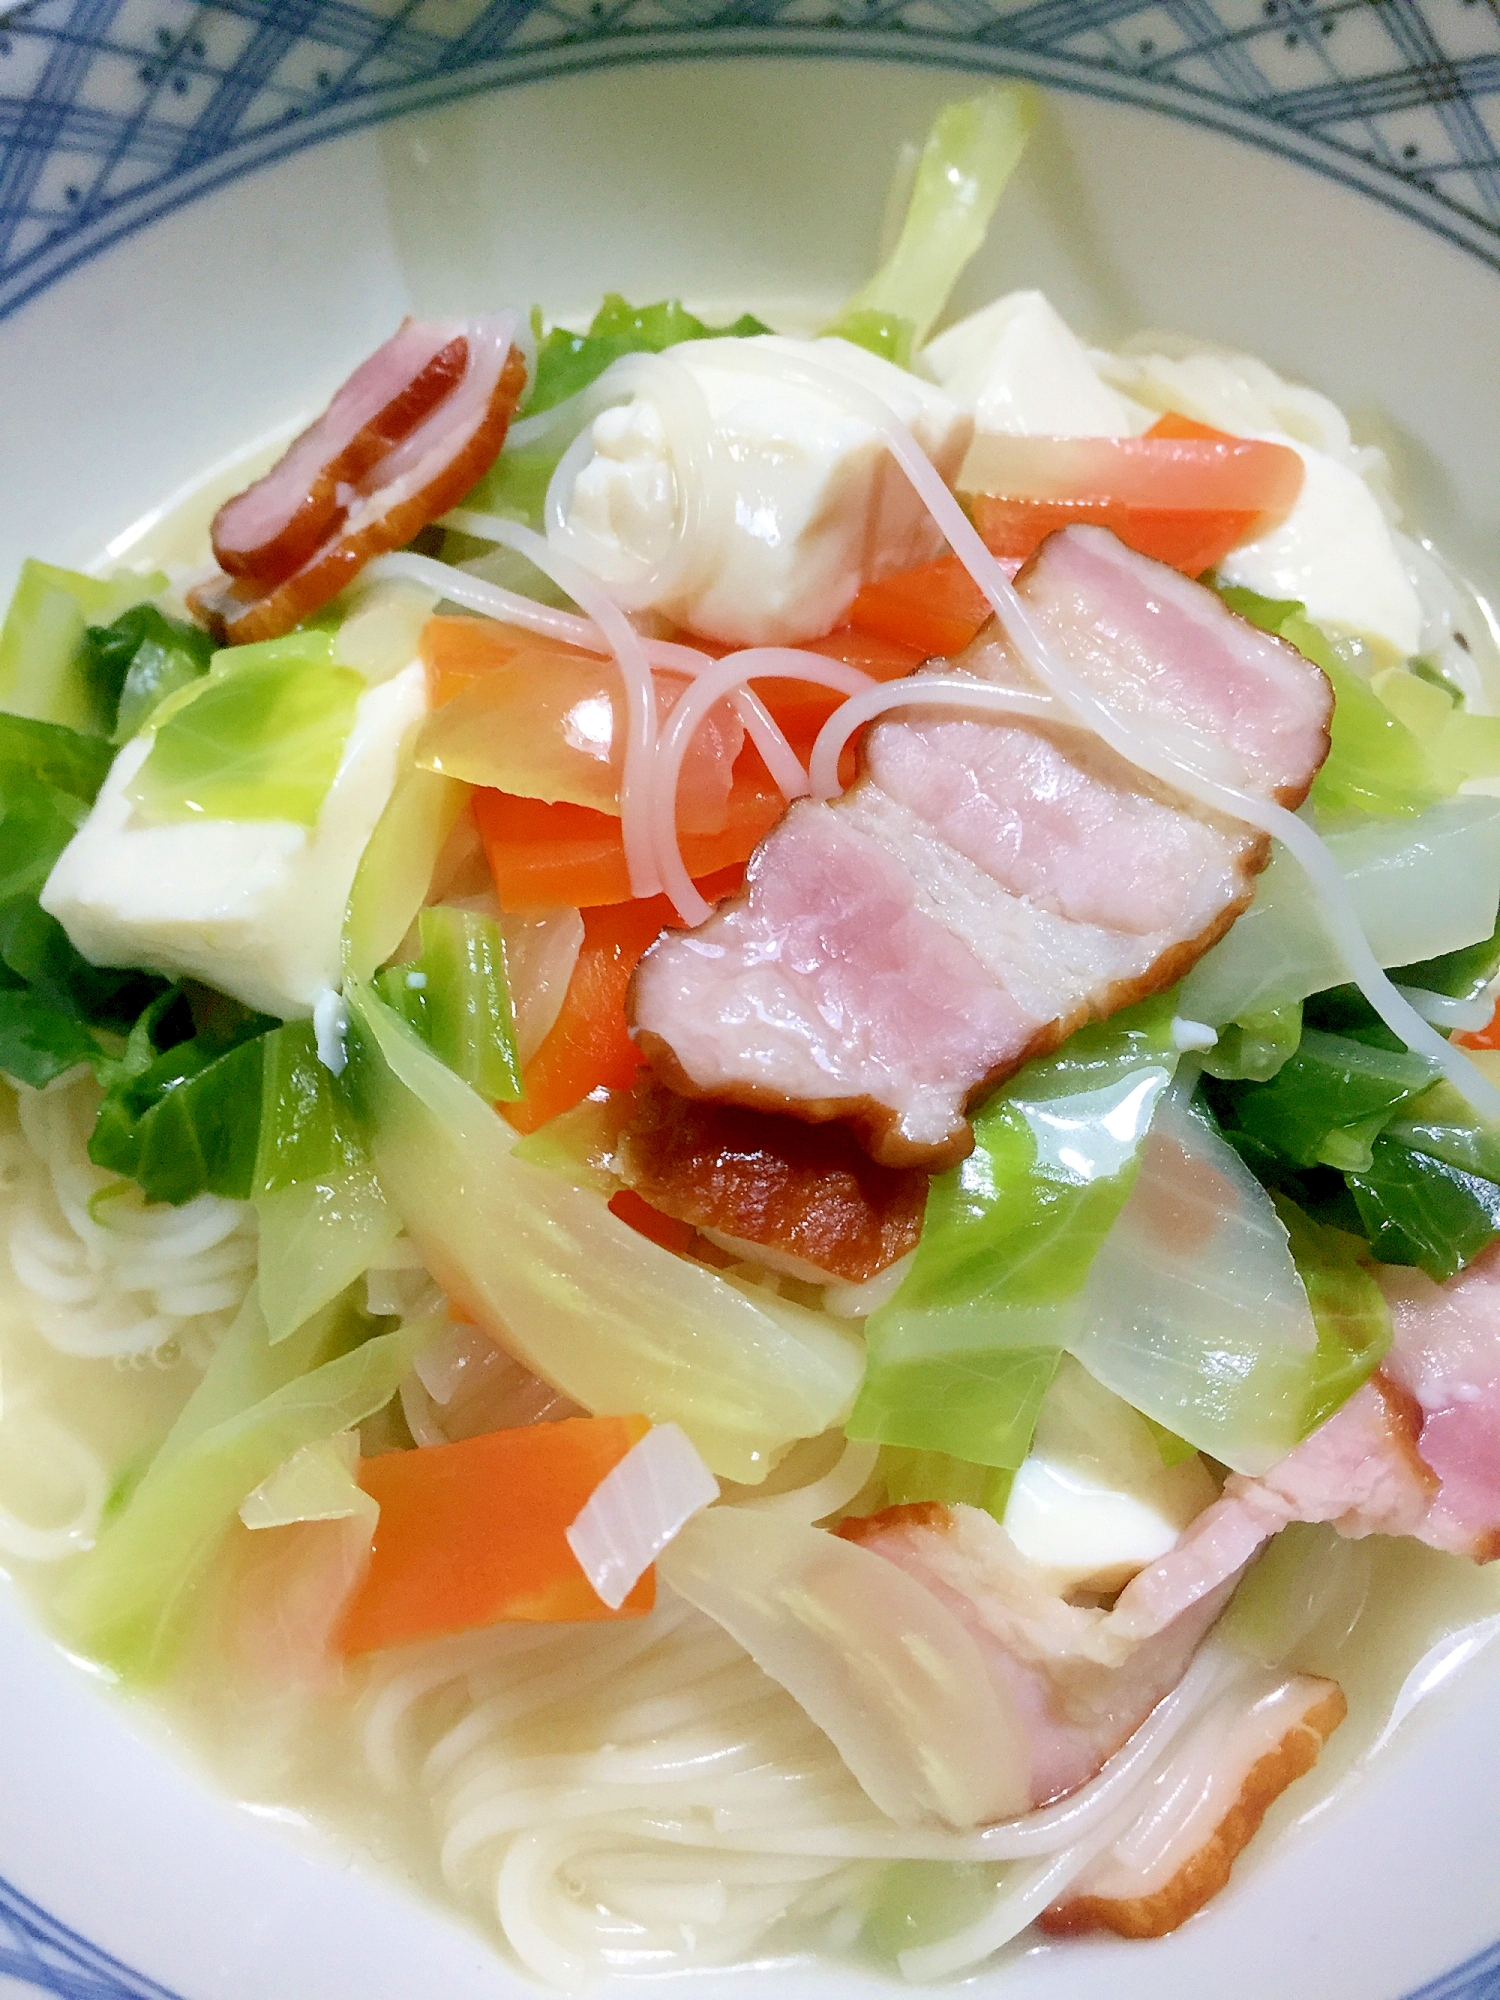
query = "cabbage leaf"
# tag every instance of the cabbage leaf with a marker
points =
(140, 659)
(261, 737)
(129, 1601)
(46, 668)
(960, 1359)
(971, 152)
(611, 1319)
(455, 994)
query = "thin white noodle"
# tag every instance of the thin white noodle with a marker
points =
(1300, 839)
(508, 607)
(65, 1453)
(693, 704)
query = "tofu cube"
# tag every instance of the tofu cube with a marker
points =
(253, 907)
(789, 500)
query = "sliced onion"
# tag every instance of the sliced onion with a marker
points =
(637, 1509)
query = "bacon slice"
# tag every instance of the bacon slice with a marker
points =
(401, 443)
(1206, 1806)
(272, 527)
(1416, 1451)
(987, 886)
(807, 1193)
(1080, 1684)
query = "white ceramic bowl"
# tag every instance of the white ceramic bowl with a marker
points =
(164, 304)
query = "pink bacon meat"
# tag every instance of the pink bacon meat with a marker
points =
(1081, 1686)
(987, 886)
(1415, 1452)
(402, 442)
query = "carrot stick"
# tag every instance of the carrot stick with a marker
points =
(475, 1533)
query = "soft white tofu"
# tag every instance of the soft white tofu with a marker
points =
(1020, 370)
(792, 507)
(1093, 1502)
(1336, 554)
(253, 907)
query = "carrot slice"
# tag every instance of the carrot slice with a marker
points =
(547, 857)
(475, 1533)
(935, 608)
(589, 1044)
(1184, 494)
(1487, 1037)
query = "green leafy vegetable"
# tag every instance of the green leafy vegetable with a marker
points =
(1375, 763)
(260, 738)
(1460, 975)
(1420, 1209)
(45, 664)
(54, 1005)
(130, 1600)
(567, 362)
(1330, 1098)
(971, 152)
(1349, 1311)
(183, 1112)
(1254, 1048)
(322, 1213)
(960, 1359)
(932, 1475)
(455, 995)
(135, 663)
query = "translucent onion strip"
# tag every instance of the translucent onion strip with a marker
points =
(1070, 689)
(637, 1508)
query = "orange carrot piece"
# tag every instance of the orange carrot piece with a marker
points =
(475, 1533)
(1483, 1038)
(648, 1221)
(547, 857)
(589, 1044)
(935, 608)
(1190, 539)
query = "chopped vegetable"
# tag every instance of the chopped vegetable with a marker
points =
(1348, 1308)
(961, 1358)
(637, 1509)
(541, 720)
(1195, 1311)
(456, 996)
(260, 738)
(45, 663)
(475, 1533)
(182, 1113)
(590, 1047)
(971, 152)
(1182, 494)
(584, 1301)
(129, 1601)
(546, 857)
(54, 1005)
(322, 1215)
(912, 1476)
(567, 362)
(135, 663)
(935, 608)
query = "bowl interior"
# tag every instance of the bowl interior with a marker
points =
(756, 183)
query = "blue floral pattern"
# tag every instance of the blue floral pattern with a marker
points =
(113, 112)
(39, 1951)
